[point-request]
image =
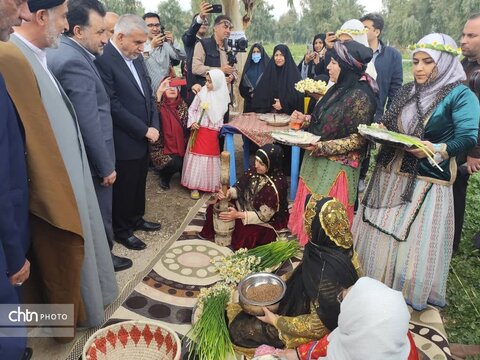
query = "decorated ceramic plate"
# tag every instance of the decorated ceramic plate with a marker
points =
(293, 137)
(387, 137)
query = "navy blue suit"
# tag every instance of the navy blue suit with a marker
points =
(14, 230)
(133, 112)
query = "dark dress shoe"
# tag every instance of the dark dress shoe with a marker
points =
(164, 185)
(121, 263)
(27, 354)
(149, 226)
(132, 243)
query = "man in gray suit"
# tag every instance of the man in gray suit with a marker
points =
(72, 64)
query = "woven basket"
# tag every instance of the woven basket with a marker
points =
(143, 340)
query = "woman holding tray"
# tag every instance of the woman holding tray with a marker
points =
(404, 229)
(332, 165)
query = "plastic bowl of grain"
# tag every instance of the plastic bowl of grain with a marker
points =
(261, 289)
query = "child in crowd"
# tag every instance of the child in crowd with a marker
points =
(201, 166)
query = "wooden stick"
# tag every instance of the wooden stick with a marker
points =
(224, 177)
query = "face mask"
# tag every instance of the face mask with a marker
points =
(256, 57)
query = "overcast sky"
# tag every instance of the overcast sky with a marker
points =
(280, 6)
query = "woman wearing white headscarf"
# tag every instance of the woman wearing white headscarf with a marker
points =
(373, 325)
(404, 229)
(201, 166)
(354, 30)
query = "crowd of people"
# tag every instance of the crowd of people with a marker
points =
(91, 100)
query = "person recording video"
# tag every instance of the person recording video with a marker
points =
(211, 53)
(160, 51)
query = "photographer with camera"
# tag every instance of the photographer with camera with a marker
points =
(211, 53)
(160, 52)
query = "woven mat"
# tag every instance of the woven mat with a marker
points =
(167, 290)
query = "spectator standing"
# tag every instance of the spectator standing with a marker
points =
(72, 64)
(14, 227)
(197, 31)
(468, 163)
(160, 51)
(135, 126)
(71, 262)
(111, 19)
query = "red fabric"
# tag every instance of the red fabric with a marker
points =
(206, 142)
(314, 349)
(339, 191)
(413, 348)
(172, 129)
(243, 236)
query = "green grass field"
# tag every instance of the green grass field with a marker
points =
(462, 314)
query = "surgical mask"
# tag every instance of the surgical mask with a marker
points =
(256, 57)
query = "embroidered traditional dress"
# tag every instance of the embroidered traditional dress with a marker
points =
(404, 230)
(332, 169)
(201, 165)
(263, 198)
(309, 308)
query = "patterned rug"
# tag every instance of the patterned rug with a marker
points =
(167, 290)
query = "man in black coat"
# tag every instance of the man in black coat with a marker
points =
(135, 125)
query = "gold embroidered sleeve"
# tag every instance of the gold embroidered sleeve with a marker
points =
(297, 330)
(339, 146)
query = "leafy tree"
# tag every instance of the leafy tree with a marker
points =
(124, 6)
(263, 26)
(173, 17)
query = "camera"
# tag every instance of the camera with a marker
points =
(238, 45)
(162, 30)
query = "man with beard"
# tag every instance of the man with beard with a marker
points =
(14, 228)
(135, 125)
(71, 262)
(470, 44)
(72, 64)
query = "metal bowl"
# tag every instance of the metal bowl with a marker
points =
(254, 307)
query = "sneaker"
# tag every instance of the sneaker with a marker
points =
(195, 195)
(361, 185)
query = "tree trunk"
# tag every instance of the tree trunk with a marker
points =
(232, 9)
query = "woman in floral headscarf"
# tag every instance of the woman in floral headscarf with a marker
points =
(331, 166)
(404, 229)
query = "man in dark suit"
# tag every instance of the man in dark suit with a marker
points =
(135, 124)
(72, 64)
(14, 227)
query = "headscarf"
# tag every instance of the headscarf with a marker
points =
(249, 186)
(327, 265)
(173, 115)
(271, 156)
(218, 98)
(373, 324)
(322, 37)
(411, 107)
(278, 82)
(356, 30)
(352, 58)
(252, 71)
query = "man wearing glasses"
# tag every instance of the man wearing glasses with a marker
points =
(210, 53)
(160, 52)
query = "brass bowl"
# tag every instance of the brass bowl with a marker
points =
(254, 307)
